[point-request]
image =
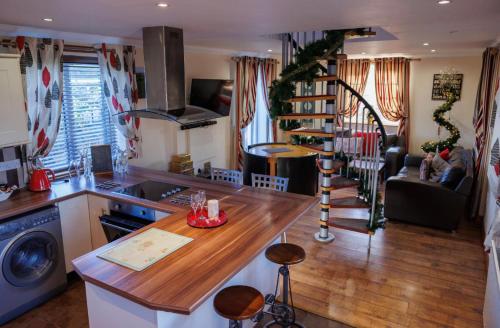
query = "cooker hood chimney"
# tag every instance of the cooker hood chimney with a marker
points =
(164, 75)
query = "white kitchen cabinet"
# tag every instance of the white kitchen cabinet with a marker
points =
(13, 125)
(75, 226)
(97, 207)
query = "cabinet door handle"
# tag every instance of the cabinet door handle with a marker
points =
(116, 227)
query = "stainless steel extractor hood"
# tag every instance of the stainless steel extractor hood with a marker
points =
(164, 75)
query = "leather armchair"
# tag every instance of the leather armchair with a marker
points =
(394, 155)
(409, 199)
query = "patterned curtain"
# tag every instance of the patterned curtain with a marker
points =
(392, 86)
(41, 70)
(487, 89)
(246, 91)
(117, 65)
(354, 72)
(269, 74)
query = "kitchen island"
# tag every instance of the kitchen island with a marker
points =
(178, 290)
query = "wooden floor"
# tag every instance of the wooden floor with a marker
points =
(413, 277)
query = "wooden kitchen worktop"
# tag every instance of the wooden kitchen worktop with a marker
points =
(24, 200)
(183, 280)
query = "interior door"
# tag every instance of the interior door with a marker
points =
(30, 259)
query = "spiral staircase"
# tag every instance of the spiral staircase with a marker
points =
(323, 108)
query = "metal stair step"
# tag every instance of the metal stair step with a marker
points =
(311, 98)
(316, 148)
(335, 57)
(340, 182)
(348, 202)
(324, 78)
(336, 166)
(300, 116)
(310, 132)
(357, 225)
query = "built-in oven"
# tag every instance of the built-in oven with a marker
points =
(125, 218)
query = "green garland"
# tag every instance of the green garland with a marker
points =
(305, 68)
(378, 219)
(438, 117)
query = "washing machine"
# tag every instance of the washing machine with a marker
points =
(31, 261)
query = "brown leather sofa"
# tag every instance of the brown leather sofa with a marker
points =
(427, 203)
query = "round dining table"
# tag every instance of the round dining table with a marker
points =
(290, 161)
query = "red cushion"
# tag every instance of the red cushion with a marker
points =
(368, 140)
(445, 154)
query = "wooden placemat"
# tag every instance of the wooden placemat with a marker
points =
(145, 249)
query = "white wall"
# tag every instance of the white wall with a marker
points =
(422, 127)
(162, 139)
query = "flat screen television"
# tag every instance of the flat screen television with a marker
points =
(214, 95)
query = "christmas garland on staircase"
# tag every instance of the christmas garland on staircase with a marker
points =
(305, 68)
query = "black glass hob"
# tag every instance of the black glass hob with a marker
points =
(152, 190)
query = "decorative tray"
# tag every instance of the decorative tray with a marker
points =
(197, 222)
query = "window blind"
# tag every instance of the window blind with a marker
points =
(85, 119)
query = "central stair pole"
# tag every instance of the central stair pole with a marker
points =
(331, 89)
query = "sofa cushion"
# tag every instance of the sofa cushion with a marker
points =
(425, 170)
(445, 154)
(439, 165)
(457, 158)
(452, 176)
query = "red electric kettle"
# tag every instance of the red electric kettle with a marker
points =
(40, 180)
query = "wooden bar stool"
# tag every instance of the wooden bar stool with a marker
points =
(285, 254)
(238, 303)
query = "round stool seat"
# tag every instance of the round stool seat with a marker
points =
(238, 302)
(285, 254)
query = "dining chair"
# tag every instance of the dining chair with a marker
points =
(232, 176)
(269, 182)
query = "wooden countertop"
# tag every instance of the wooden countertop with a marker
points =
(183, 280)
(25, 200)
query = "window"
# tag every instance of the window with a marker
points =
(371, 96)
(260, 130)
(85, 119)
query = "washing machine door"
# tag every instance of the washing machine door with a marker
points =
(30, 259)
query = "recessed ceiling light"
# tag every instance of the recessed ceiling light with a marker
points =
(162, 5)
(433, 50)
(47, 19)
(444, 2)
(363, 53)
(269, 50)
(425, 44)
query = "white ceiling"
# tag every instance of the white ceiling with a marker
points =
(461, 28)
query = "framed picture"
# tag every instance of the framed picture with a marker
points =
(456, 85)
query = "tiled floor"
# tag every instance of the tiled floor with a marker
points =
(69, 310)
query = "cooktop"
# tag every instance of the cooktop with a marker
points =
(152, 190)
